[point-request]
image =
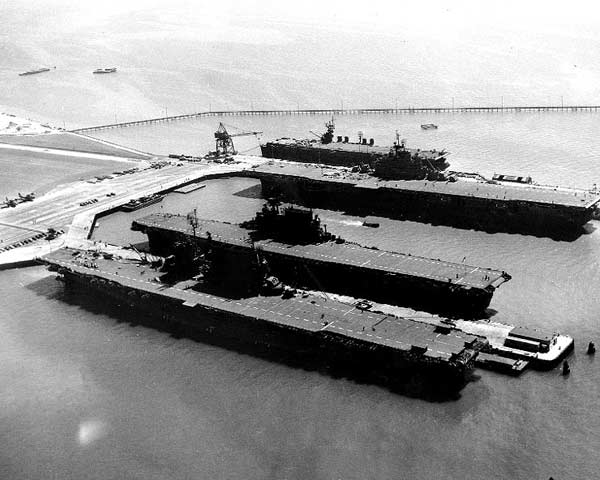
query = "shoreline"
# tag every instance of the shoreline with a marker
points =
(24, 178)
(14, 125)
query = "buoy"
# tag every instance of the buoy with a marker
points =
(566, 369)
(591, 348)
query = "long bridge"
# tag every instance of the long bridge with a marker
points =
(345, 111)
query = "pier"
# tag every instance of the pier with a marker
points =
(23, 229)
(344, 111)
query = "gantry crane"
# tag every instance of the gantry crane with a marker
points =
(224, 140)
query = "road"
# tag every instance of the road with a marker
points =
(57, 208)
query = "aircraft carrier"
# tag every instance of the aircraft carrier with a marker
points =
(465, 203)
(397, 161)
(294, 247)
(405, 355)
(414, 184)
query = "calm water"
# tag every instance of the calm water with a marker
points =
(87, 395)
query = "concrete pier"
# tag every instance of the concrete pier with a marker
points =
(68, 208)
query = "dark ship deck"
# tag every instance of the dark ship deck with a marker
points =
(530, 209)
(394, 348)
(346, 268)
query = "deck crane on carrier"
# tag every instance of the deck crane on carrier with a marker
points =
(224, 140)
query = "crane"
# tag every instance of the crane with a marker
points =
(224, 140)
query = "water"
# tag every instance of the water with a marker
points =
(552, 147)
(85, 394)
(176, 57)
(120, 401)
(91, 387)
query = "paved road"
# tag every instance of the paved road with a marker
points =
(57, 208)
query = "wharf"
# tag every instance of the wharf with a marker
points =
(71, 207)
(192, 187)
(312, 314)
(350, 254)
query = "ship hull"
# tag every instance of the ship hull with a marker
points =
(469, 212)
(299, 153)
(129, 207)
(415, 292)
(432, 294)
(322, 351)
(362, 155)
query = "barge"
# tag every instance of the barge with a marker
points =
(472, 203)
(510, 366)
(297, 328)
(543, 350)
(296, 248)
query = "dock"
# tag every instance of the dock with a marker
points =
(192, 187)
(71, 208)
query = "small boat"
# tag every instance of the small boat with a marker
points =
(370, 224)
(502, 364)
(105, 70)
(33, 72)
(429, 126)
(141, 202)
